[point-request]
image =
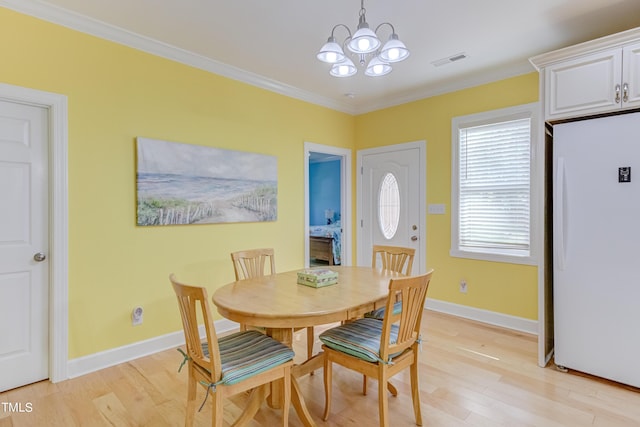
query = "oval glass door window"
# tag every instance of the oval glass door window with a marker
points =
(389, 205)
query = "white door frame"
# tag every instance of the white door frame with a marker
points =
(422, 189)
(345, 196)
(58, 220)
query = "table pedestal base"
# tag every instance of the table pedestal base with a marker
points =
(274, 400)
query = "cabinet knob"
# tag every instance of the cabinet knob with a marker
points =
(625, 92)
(617, 94)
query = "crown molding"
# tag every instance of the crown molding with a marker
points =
(586, 48)
(87, 25)
(127, 38)
(477, 79)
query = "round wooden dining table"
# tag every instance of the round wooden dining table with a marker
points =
(278, 303)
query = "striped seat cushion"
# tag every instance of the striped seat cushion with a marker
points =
(378, 313)
(360, 338)
(248, 353)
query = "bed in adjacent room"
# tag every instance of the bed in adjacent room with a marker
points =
(325, 243)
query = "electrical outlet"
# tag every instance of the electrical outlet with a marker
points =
(463, 286)
(136, 316)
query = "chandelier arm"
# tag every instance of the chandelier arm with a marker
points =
(393, 30)
(341, 25)
(347, 39)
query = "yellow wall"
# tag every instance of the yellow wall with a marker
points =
(505, 288)
(116, 93)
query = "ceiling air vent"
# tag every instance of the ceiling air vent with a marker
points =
(449, 60)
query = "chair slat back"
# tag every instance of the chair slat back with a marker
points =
(194, 309)
(394, 258)
(413, 291)
(252, 263)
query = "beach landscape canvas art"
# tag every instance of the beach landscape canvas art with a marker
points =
(181, 183)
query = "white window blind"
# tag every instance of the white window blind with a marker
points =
(494, 187)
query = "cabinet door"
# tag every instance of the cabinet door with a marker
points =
(582, 86)
(631, 75)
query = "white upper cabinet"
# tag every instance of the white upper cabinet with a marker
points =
(597, 77)
(631, 74)
(585, 85)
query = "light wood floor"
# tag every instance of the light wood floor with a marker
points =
(471, 374)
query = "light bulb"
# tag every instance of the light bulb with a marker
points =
(393, 54)
(363, 44)
(332, 57)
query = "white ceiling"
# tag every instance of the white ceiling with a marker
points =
(273, 43)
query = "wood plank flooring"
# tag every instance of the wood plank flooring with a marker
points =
(471, 374)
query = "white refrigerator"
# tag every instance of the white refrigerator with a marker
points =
(596, 239)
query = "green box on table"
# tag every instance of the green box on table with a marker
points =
(317, 277)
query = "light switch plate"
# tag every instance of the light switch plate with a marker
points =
(436, 208)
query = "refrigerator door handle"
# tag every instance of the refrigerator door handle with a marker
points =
(560, 212)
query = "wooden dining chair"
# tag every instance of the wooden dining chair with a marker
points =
(400, 260)
(253, 263)
(381, 349)
(229, 365)
(394, 258)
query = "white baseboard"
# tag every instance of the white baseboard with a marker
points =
(484, 316)
(94, 362)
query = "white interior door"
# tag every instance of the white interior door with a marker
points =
(392, 200)
(24, 277)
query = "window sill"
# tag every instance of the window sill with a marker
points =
(497, 256)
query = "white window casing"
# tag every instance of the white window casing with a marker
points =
(492, 185)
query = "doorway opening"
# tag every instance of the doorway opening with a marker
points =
(327, 205)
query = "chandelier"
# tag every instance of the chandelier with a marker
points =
(363, 44)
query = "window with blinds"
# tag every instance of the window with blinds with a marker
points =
(492, 185)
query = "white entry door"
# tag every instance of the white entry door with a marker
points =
(392, 193)
(24, 277)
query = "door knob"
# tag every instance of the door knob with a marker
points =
(414, 238)
(39, 257)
